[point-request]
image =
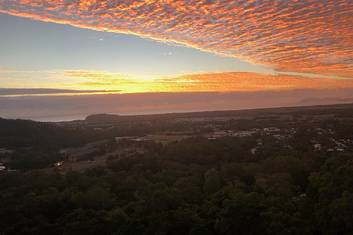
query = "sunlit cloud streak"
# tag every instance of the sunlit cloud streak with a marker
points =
(13, 92)
(205, 82)
(311, 36)
(105, 81)
(95, 81)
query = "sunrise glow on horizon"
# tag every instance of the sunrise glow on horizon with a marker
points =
(171, 46)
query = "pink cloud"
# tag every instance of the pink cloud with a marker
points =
(310, 36)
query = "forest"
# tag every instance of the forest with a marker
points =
(298, 181)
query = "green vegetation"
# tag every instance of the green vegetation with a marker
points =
(298, 181)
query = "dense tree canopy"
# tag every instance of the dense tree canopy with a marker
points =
(192, 186)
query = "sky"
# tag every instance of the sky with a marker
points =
(40, 54)
(91, 47)
(30, 45)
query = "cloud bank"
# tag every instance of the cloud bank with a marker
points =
(204, 82)
(90, 81)
(311, 36)
(19, 92)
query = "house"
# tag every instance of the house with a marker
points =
(244, 133)
(58, 164)
(271, 129)
(2, 167)
(317, 147)
(253, 151)
(279, 137)
(4, 151)
(124, 138)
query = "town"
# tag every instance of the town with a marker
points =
(283, 129)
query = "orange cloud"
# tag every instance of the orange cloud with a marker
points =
(311, 36)
(207, 82)
(301, 36)
(236, 81)
(202, 82)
